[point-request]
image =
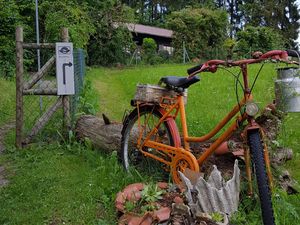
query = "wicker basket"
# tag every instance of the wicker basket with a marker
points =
(154, 93)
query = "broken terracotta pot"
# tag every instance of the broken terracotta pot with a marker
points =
(224, 149)
(133, 193)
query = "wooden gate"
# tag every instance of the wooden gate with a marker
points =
(26, 88)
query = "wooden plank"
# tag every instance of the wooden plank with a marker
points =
(36, 77)
(41, 122)
(52, 91)
(38, 46)
(19, 86)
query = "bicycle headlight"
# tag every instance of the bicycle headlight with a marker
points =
(252, 108)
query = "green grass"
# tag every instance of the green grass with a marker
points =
(208, 101)
(52, 184)
(7, 100)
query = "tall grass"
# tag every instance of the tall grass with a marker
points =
(7, 100)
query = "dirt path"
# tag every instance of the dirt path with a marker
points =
(3, 131)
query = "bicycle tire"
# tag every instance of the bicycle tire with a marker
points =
(129, 154)
(256, 149)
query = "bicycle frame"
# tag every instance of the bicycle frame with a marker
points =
(178, 108)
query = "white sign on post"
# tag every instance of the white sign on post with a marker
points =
(65, 68)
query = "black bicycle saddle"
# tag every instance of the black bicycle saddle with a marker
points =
(179, 82)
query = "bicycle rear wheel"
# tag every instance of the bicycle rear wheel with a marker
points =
(256, 148)
(137, 125)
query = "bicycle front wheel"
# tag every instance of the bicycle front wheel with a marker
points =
(256, 148)
(136, 127)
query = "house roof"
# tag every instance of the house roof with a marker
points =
(143, 29)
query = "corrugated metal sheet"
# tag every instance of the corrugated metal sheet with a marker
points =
(214, 195)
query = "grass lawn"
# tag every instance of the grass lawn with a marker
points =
(63, 182)
(52, 184)
(7, 103)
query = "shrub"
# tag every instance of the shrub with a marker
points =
(149, 53)
(262, 39)
(9, 19)
(202, 31)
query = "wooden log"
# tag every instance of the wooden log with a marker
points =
(104, 136)
(38, 46)
(19, 86)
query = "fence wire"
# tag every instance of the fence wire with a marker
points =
(79, 73)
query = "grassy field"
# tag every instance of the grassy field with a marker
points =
(208, 101)
(63, 182)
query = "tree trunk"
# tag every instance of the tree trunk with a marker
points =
(102, 133)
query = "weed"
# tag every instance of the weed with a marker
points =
(152, 193)
(217, 217)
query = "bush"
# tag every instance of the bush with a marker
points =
(9, 19)
(149, 54)
(202, 30)
(258, 39)
(111, 41)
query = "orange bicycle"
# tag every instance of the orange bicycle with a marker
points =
(150, 133)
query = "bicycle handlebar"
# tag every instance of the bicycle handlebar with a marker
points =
(194, 69)
(212, 65)
(293, 53)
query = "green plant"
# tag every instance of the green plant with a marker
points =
(88, 102)
(257, 39)
(9, 19)
(152, 193)
(217, 217)
(201, 30)
(149, 54)
(130, 206)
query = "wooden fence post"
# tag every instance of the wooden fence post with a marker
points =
(19, 86)
(66, 98)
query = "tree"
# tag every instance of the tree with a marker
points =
(280, 15)
(9, 19)
(201, 29)
(262, 39)
(112, 41)
(65, 13)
